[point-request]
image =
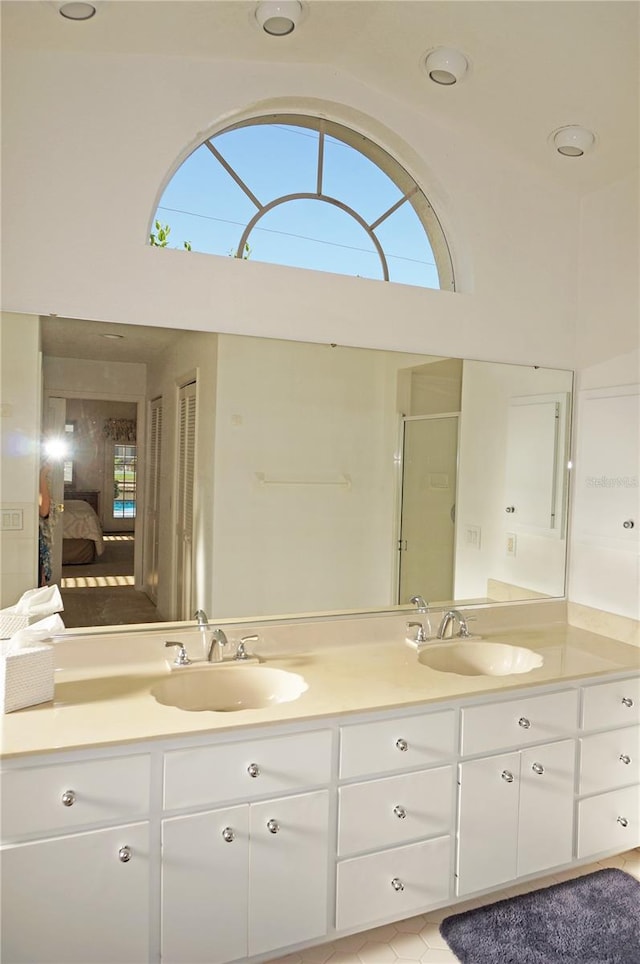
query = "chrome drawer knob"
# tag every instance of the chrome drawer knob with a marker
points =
(400, 812)
(625, 758)
(507, 776)
(68, 798)
(627, 701)
(510, 509)
(228, 834)
(253, 770)
(124, 854)
(623, 821)
(538, 768)
(628, 524)
(397, 884)
(273, 826)
(402, 745)
(524, 723)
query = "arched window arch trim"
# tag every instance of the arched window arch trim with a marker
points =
(409, 188)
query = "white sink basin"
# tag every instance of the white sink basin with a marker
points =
(479, 658)
(227, 688)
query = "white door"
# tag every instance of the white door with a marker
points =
(545, 834)
(488, 822)
(54, 421)
(74, 898)
(185, 462)
(205, 868)
(288, 871)
(427, 536)
(152, 513)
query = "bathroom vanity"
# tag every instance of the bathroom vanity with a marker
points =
(136, 831)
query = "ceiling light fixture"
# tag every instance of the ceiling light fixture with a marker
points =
(573, 141)
(77, 11)
(446, 66)
(278, 17)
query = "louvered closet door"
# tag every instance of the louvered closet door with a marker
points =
(152, 525)
(184, 499)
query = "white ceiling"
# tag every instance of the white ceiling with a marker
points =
(536, 65)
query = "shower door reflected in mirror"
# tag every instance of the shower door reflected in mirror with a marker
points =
(427, 526)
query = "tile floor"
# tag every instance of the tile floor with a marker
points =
(418, 938)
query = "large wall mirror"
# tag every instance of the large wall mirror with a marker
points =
(258, 477)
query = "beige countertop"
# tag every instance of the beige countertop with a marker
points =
(102, 702)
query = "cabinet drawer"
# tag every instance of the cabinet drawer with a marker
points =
(609, 760)
(609, 821)
(394, 884)
(96, 791)
(611, 704)
(391, 811)
(520, 722)
(250, 769)
(411, 741)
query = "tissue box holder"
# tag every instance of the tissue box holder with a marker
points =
(26, 678)
(11, 622)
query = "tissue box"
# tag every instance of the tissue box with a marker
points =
(26, 678)
(11, 622)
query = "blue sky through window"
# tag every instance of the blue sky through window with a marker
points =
(205, 206)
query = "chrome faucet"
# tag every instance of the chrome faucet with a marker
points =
(218, 642)
(218, 637)
(448, 619)
(423, 607)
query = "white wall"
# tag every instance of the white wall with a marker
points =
(306, 415)
(19, 441)
(539, 561)
(513, 235)
(605, 572)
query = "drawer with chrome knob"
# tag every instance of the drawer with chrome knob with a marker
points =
(397, 884)
(607, 760)
(124, 854)
(507, 776)
(228, 835)
(537, 768)
(393, 810)
(65, 796)
(253, 770)
(273, 826)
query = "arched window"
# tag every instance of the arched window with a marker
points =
(308, 193)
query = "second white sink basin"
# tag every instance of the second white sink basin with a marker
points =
(227, 688)
(479, 658)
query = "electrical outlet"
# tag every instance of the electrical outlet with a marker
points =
(511, 543)
(12, 520)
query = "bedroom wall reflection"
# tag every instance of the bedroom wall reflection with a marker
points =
(279, 478)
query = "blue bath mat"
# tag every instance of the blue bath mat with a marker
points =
(593, 919)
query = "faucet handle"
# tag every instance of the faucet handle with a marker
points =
(463, 632)
(420, 635)
(241, 651)
(182, 657)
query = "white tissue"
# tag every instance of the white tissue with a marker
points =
(39, 602)
(36, 634)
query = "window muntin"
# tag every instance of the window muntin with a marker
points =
(269, 183)
(124, 481)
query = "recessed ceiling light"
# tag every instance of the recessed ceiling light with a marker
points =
(77, 11)
(110, 335)
(446, 66)
(573, 141)
(278, 18)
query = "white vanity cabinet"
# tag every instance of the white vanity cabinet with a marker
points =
(245, 879)
(395, 832)
(608, 809)
(72, 890)
(515, 809)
